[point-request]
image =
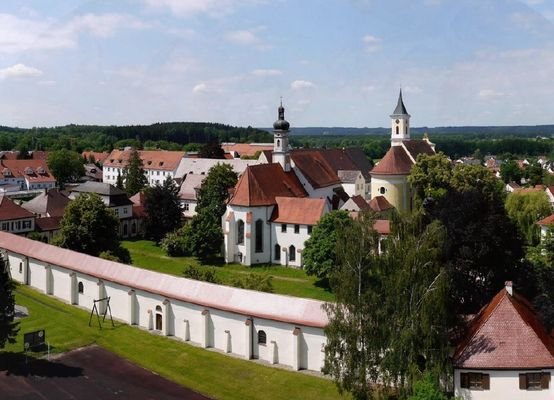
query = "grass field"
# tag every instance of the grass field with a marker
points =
(207, 372)
(289, 281)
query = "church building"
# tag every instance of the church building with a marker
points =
(389, 178)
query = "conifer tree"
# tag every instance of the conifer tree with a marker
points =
(8, 328)
(135, 180)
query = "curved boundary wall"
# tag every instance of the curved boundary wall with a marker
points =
(254, 325)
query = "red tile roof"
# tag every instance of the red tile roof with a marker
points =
(249, 303)
(417, 146)
(315, 168)
(395, 162)
(98, 157)
(380, 203)
(32, 170)
(546, 221)
(9, 210)
(360, 202)
(293, 210)
(48, 224)
(506, 334)
(260, 184)
(151, 159)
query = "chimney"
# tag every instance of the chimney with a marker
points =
(509, 287)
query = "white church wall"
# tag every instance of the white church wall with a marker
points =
(287, 343)
(287, 239)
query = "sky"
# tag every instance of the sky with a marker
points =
(334, 62)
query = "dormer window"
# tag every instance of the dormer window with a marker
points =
(41, 170)
(6, 172)
(161, 163)
(28, 171)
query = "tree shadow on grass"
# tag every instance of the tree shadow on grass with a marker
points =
(21, 365)
(212, 261)
(324, 284)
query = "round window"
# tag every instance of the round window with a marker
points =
(382, 190)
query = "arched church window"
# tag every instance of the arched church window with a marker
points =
(397, 130)
(80, 288)
(259, 231)
(277, 251)
(262, 337)
(278, 142)
(292, 253)
(240, 232)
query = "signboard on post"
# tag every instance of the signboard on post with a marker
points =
(34, 340)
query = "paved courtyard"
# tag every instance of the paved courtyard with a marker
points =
(91, 373)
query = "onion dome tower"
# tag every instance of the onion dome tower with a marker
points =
(281, 140)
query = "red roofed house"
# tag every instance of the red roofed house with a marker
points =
(389, 177)
(14, 218)
(546, 224)
(507, 353)
(28, 174)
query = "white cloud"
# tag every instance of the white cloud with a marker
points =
(22, 34)
(186, 8)
(266, 72)
(490, 94)
(200, 88)
(19, 71)
(372, 43)
(301, 84)
(243, 37)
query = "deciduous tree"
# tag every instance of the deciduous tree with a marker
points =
(88, 226)
(66, 166)
(525, 209)
(320, 254)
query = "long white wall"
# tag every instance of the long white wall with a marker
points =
(232, 328)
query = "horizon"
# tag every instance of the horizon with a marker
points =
(336, 63)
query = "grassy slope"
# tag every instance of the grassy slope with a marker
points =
(290, 281)
(210, 373)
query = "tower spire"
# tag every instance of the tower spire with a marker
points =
(400, 122)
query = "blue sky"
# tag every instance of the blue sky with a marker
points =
(335, 62)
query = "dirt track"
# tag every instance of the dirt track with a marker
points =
(91, 373)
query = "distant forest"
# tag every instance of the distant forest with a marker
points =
(168, 136)
(505, 141)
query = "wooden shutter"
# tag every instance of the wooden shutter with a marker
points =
(523, 381)
(464, 381)
(486, 381)
(545, 381)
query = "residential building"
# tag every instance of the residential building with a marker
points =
(389, 178)
(188, 194)
(27, 174)
(157, 165)
(48, 208)
(249, 150)
(116, 200)
(507, 353)
(355, 203)
(14, 218)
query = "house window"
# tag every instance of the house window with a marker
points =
(27, 224)
(292, 253)
(262, 337)
(310, 229)
(534, 381)
(5, 226)
(259, 236)
(81, 288)
(277, 250)
(125, 210)
(283, 227)
(296, 228)
(20, 267)
(240, 232)
(186, 206)
(475, 381)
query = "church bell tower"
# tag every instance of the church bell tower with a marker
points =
(281, 140)
(400, 123)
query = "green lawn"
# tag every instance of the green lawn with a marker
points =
(289, 281)
(210, 373)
